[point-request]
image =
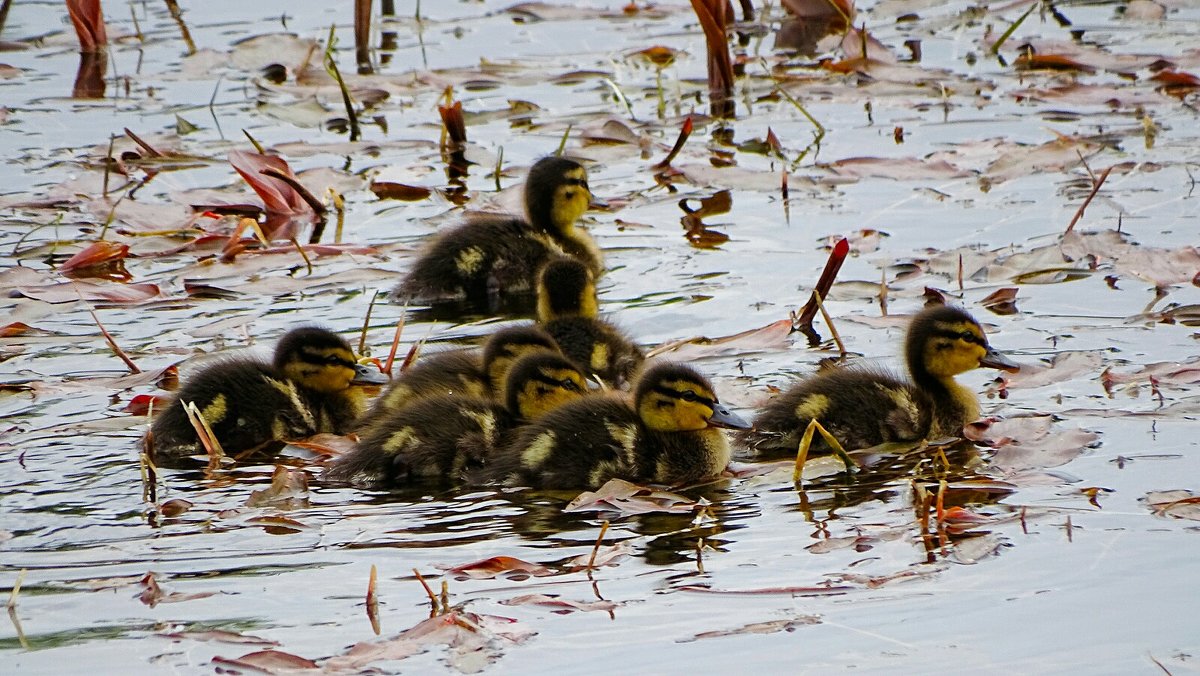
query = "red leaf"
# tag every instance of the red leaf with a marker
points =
(88, 19)
(96, 253)
(278, 197)
(141, 404)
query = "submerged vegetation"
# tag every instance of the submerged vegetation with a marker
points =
(189, 181)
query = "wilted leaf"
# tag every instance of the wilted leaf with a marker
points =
(495, 566)
(325, 445)
(474, 641)
(970, 550)
(220, 636)
(769, 627)
(1029, 443)
(1179, 504)
(152, 594)
(767, 591)
(773, 336)
(174, 507)
(269, 662)
(288, 490)
(108, 292)
(627, 498)
(604, 556)
(142, 404)
(399, 191)
(99, 259)
(559, 605)
(1064, 367)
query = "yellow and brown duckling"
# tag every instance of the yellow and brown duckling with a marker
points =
(496, 253)
(311, 386)
(669, 434)
(466, 372)
(863, 406)
(441, 438)
(567, 308)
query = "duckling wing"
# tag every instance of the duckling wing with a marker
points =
(244, 402)
(581, 444)
(453, 372)
(434, 439)
(488, 253)
(859, 406)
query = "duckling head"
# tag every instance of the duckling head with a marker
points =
(322, 361)
(944, 341)
(676, 398)
(556, 193)
(566, 288)
(540, 382)
(507, 345)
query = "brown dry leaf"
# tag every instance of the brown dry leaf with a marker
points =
(174, 507)
(1179, 504)
(102, 259)
(288, 490)
(220, 636)
(152, 594)
(385, 190)
(559, 605)
(773, 336)
(1002, 301)
(142, 404)
(628, 498)
(277, 525)
(495, 566)
(658, 55)
(268, 662)
(769, 627)
(877, 581)
(1028, 60)
(474, 641)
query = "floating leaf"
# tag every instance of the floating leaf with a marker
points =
(495, 566)
(288, 489)
(560, 605)
(109, 292)
(473, 642)
(152, 594)
(399, 191)
(268, 662)
(773, 336)
(219, 636)
(769, 627)
(1178, 504)
(627, 498)
(174, 507)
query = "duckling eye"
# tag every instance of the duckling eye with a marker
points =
(969, 337)
(689, 396)
(569, 385)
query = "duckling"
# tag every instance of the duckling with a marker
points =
(667, 435)
(443, 437)
(500, 253)
(472, 373)
(311, 386)
(567, 309)
(863, 407)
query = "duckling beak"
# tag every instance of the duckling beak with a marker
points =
(597, 203)
(723, 417)
(995, 360)
(365, 375)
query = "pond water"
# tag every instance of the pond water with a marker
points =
(1081, 561)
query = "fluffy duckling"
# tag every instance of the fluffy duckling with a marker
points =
(311, 386)
(862, 406)
(500, 253)
(567, 309)
(472, 372)
(667, 435)
(445, 436)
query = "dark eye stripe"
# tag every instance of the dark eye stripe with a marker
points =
(331, 359)
(676, 394)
